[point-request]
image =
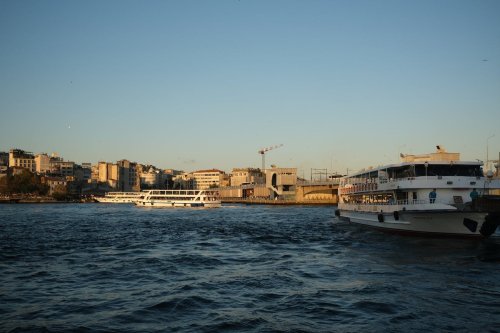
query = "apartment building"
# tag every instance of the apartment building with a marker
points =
(150, 177)
(128, 179)
(204, 179)
(108, 173)
(87, 171)
(66, 169)
(22, 159)
(183, 181)
(42, 162)
(55, 183)
(121, 176)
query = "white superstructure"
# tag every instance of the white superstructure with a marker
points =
(398, 197)
(120, 197)
(180, 198)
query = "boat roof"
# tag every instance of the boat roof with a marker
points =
(440, 157)
(403, 164)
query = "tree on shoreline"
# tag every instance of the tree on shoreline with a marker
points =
(23, 182)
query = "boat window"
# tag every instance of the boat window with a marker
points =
(449, 170)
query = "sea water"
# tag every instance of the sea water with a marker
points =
(121, 268)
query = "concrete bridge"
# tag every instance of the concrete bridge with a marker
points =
(306, 192)
(317, 190)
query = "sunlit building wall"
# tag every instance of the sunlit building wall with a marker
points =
(241, 176)
(22, 159)
(128, 179)
(204, 179)
(42, 162)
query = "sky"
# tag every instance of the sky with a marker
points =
(194, 85)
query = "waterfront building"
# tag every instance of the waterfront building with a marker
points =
(243, 176)
(279, 183)
(204, 179)
(282, 181)
(55, 183)
(22, 159)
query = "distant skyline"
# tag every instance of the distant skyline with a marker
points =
(205, 84)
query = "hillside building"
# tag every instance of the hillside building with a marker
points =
(42, 162)
(120, 176)
(22, 159)
(150, 177)
(4, 163)
(128, 179)
(108, 173)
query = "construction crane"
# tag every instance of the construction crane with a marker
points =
(263, 153)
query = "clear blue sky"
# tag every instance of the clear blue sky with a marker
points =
(201, 84)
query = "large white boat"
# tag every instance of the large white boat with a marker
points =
(119, 197)
(434, 194)
(180, 198)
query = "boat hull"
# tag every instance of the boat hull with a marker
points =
(115, 201)
(446, 223)
(178, 204)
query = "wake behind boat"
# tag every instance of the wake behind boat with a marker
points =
(424, 194)
(180, 198)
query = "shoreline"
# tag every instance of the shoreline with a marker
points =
(37, 200)
(280, 202)
(44, 200)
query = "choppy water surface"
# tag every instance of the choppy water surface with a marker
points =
(119, 268)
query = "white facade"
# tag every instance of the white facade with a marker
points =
(42, 162)
(204, 179)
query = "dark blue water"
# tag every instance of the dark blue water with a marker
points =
(118, 268)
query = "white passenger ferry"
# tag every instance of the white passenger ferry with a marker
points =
(119, 197)
(424, 194)
(180, 198)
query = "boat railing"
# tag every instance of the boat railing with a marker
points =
(412, 202)
(392, 203)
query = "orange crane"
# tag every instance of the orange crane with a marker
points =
(263, 153)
